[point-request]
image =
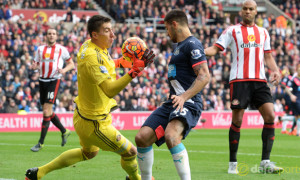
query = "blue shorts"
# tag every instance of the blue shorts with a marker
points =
(159, 119)
(296, 108)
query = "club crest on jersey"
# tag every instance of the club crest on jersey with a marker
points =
(176, 52)
(196, 53)
(251, 38)
(103, 69)
(47, 55)
(235, 102)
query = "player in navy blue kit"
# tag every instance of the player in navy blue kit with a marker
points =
(295, 96)
(287, 108)
(188, 74)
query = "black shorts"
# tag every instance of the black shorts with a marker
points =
(48, 90)
(159, 119)
(295, 106)
(251, 93)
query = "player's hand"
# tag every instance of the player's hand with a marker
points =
(293, 98)
(34, 65)
(139, 64)
(275, 78)
(178, 102)
(61, 71)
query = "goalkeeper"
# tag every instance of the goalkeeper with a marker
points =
(97, 85)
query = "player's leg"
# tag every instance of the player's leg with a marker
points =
(51, 98)
(71, 156)
(47, 109)
(173, 136)
(152, 131)
(234, 139)
(144, 140)
(263, 101)
(239, 102)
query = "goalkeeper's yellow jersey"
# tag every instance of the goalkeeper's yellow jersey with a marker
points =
(94, 66)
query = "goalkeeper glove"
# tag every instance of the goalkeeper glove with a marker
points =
(139, 64)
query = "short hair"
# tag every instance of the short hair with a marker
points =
(176, 15)
(96, 22)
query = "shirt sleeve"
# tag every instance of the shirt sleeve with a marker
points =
(225, 39)
(97, 72)
(196, 52)
(267, 45)
(65, 54)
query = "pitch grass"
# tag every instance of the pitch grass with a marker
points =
(208, 153)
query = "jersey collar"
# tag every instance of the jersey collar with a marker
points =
(247, 25)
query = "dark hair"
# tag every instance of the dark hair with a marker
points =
(96, 22)
(176, 15)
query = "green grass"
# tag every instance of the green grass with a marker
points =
(208, 153)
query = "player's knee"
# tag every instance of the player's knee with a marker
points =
(132, 152)
(270, 118)
(172, 140)
(89, 155)
(141, 140)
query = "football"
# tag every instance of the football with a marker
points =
(131, 45)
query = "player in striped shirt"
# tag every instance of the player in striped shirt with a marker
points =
(50, 58)
(250, 47)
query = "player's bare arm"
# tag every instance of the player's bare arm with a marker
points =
(34, 65)
(211, 51)
(203, 77)
(69, 66)
(275, 77)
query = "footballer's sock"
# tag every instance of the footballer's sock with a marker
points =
(284, 124)
(55, 120)
(45, 126)
(298, 126)
(234, 139)
(181, 161)
(66, 159)
(267, 136)
(130, 165)
(145, 158)
(294, 125)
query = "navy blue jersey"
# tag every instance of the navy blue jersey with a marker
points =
(295, 85)
(181, 75)
(285, 81)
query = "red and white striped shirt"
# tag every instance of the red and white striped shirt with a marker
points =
(248, 45)
(50, 59)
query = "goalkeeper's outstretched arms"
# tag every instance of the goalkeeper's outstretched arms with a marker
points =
(122, 63)
(112, 88)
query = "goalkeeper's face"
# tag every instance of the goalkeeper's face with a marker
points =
(105, 37)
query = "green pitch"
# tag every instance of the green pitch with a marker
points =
(208, 152)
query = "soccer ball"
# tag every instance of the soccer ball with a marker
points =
(131, 45)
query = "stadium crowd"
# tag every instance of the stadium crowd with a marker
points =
(18, 41)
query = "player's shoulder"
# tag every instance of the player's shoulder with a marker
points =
(41, 47)
(232, 27)
(192, 41)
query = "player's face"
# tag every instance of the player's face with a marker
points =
(105, 36)
(171, 32)
(51, 36)
(248, 12)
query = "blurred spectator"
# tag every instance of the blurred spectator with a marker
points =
(24, 106)
(12, 107)
(60, 108)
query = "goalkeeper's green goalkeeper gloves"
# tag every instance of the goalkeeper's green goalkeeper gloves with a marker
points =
(139, 64)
